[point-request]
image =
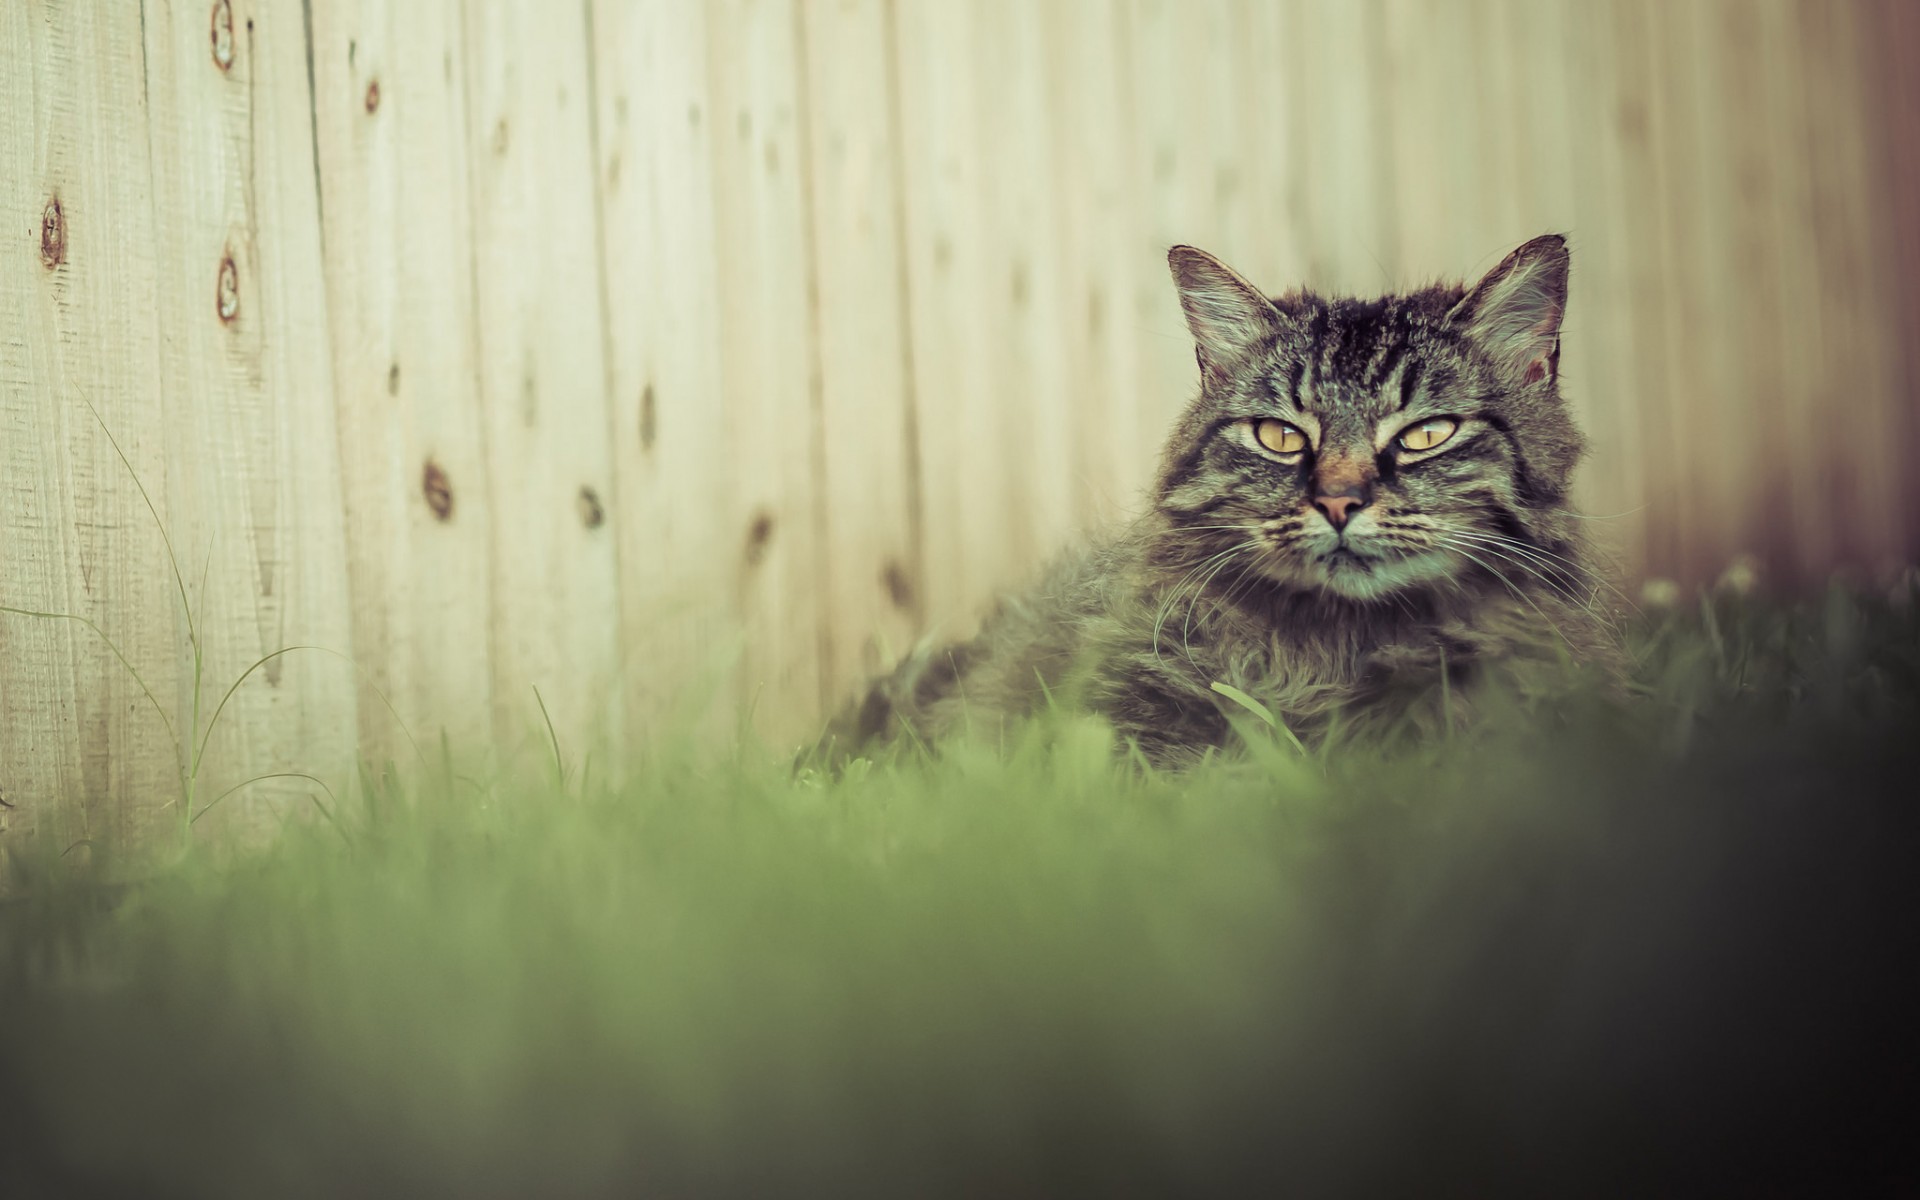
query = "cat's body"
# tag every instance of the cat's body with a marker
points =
(1360, 520)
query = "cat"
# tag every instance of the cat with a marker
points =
(1360, 519)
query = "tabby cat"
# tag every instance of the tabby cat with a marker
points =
(1360, 520)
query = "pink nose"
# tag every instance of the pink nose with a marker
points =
(1338, 508)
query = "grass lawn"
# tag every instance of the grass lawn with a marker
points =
(1592, 951)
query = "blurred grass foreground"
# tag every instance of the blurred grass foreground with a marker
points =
(1593, 951)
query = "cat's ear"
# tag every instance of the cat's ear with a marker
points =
(1227, 314)
(1515, 312)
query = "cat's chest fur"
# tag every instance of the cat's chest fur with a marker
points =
(1111, 631)
(1149, 656)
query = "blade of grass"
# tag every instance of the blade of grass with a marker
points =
(1259, 710)
(313, 779)
(173, 560)
(553, 740)
(101, 634)
(366, 678)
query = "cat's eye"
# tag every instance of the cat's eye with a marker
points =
(1279, 437)
(1428, 434)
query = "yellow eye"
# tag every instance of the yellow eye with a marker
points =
(1428, 434)
(1279, 437)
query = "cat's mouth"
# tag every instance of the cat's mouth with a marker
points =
(1356, 564)
(1348, 572)
(1360, 575)
(1345, 557)
(1344, 568)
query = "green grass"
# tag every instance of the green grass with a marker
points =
(1589, 948)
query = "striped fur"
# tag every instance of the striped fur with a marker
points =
(1462, 564)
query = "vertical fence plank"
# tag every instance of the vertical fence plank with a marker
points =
(1647, 294)
(542, 376)
(1737, 268)
(1494, 108)
(1022, 307)
(1603, 353)
(1682, 517)
(1860, 468)
(1536, 49)
(390, 118)
(1478, 228)
(1268, 162)
(1894, 43)
(1416, 71)
(963, 475)
(1804, 552)
(674, 448)
(1173, 193)
(253, 478)
(84, 759)
(768, 358)
(1092, 227)
(1534, 45)
(1354, 247)
(870, 459)
(1165, 161)
(1202, 121)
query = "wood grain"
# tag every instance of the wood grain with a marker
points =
(772, 447)
(675, 516)
(869, 460)
(390, 118)
(86, 764)
(245, 381)
(542, 377)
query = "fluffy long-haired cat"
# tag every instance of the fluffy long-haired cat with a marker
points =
(1360, 520)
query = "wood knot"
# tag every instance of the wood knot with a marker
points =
(899, 585)
(438, 490)
(226, 298)
(53, 235)
(758, 535)
(592, 513)
(649, 418)
(373, 97)
(223, 34)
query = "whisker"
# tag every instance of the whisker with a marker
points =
(1501, 553)
(1585, 605)
(1566, 576)
(1173, 594)
(1576, 573)
(1538, 551)
(1460, 548)
(1609, 517)
(1186, 628)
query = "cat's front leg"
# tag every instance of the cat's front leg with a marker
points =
(1172, 716)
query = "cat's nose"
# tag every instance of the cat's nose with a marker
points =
(1339, 507)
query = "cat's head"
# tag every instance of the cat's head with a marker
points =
(1367, 447)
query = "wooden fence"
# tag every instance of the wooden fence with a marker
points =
(675, 357)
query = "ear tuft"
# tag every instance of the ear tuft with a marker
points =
(1226, 314)
(1515, 312)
